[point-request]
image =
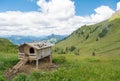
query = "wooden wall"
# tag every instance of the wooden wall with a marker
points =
(41, 53)
(27, 50)
(44, 52)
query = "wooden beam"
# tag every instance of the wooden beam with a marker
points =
(37, 63)
(50, 57)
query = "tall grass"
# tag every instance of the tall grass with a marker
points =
(77, 68)
(7, 60)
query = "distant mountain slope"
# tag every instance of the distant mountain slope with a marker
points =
(6, 46)
(100, 38)
(16, 39)
(54, 38)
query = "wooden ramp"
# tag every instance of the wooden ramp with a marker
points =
(12, 72)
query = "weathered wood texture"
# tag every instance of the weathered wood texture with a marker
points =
(35, 51)
(11, 72)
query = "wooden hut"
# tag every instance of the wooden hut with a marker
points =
(35, 51)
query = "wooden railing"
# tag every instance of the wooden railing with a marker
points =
(21, 55)
(32, 56)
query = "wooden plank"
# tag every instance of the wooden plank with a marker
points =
(16, 68)
(37, 63)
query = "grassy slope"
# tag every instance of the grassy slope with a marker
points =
(8, 55)
(108, 44)
(6, 46)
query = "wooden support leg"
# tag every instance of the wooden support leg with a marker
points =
(37, 63)
(50, 57)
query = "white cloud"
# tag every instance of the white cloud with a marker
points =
(118, 6)
(102, 13)
(57, 9)
(55, 16)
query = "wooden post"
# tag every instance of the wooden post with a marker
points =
(37, 63)
(50, 57)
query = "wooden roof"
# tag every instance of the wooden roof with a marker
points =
(38, 45)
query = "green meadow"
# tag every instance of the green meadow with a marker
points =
(71, 68)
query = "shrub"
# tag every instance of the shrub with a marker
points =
(79, 34)
(82, 32)
(94, 29)
(61, 51)
(93, 54)
(103, 33)
(97, 39)
(110, 25)
(56, 49)
(87, 37)
(67, 49)
(72, 48)
(76, 52)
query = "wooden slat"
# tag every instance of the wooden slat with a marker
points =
(21, 55)
(16, 68)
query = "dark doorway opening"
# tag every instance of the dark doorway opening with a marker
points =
(32, 50)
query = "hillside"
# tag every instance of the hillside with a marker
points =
(101, 38)
(7, 46)
(8, 56)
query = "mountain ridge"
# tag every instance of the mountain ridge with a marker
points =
(101, 38)
(18, 39)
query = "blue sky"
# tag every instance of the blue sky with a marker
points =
(44, 17)
(86, 7)
(82, 7)
(21, 5)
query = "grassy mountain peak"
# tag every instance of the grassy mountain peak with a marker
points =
(102, 38)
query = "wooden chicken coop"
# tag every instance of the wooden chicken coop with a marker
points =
(35, 51)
